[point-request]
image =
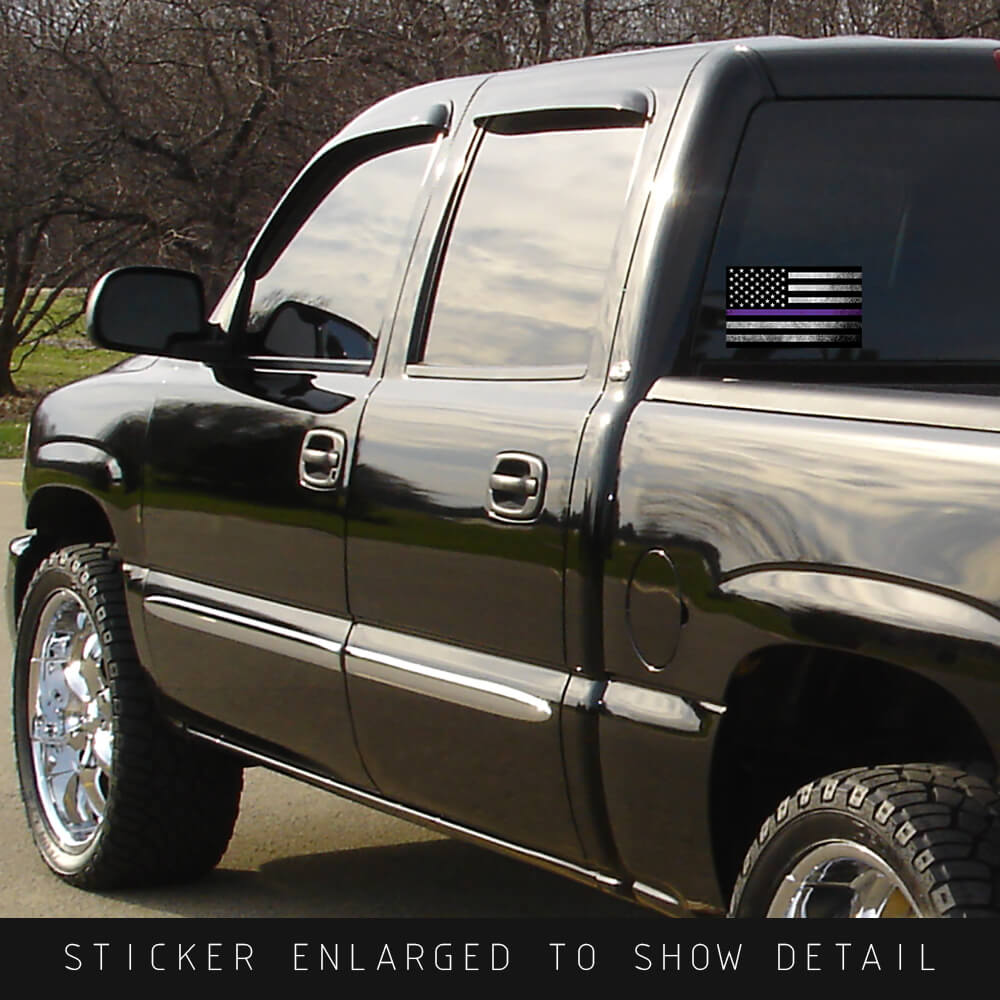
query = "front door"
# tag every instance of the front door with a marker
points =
(245, 605)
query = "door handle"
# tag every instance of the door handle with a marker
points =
(526, 486)
(517, 487)
(321, 459)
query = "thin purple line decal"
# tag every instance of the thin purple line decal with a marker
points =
(789, 313)
(778, 305)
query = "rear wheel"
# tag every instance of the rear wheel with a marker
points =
(113, 795)
(914, 840)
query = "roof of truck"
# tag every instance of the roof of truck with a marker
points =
(849, 65)
(874, 66)
(843, 66)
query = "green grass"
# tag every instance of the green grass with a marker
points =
(64, 357)
(60, 360)
(11, 438)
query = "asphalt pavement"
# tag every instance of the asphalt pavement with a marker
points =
(297, 851)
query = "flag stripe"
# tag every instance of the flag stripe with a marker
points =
(823, 275)
(793, 312)
(843, 299)
(823, 288)
(793, 338)
(802, 324)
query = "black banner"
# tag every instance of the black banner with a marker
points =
(511, 952)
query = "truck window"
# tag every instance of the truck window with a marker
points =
(325, 295)
(874, 215)
(526, 263)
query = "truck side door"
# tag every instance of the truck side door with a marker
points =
(466, 454)
(245, 606)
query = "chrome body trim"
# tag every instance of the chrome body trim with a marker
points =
(710, 706)
(657, 896)
(584, 693)
(435, 683)
(620, 371)
(651, 708)
(479, 681)
(497, 373)
(309, 366)
(243, 618)
(549, 861)
(239, 628)
(136, 574)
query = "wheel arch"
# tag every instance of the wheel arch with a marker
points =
(59, 515)
(795, 712)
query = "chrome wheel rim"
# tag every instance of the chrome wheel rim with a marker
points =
(69, 721)
(842, 879)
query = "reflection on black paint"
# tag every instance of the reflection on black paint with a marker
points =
(733, 494)
(294, 389)
(228, 450)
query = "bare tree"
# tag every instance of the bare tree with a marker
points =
(165, 129)
(51, 237)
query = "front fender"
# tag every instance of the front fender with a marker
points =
(79, 464)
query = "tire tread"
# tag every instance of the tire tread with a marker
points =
(943, 819)
(172, 803)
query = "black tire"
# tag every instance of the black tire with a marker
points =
(909, 840)
(114, 796)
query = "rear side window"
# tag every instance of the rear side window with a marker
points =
(527, 261)
(326, 294)
(880, 213)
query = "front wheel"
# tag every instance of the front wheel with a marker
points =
(913, 840)
(114, 797)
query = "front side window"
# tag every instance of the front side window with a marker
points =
(326, 294)
(869, 224)
(527, 260)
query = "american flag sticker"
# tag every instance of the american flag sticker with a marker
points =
(791, 306)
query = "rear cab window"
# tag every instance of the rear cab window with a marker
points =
(524, 271)
(880, 213)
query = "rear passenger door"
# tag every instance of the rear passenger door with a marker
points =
(466, 454)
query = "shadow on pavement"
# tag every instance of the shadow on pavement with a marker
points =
(431, 879)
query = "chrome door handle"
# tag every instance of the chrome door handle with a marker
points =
(321, 459)
(517, 487)
(523, 485)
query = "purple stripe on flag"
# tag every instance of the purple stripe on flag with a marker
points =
(789, 313)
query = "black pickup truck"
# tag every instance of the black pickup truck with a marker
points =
(595, 461)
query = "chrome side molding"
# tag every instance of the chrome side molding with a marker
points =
(286, 630)
(651, 707)
(479, 681)
(249, 631)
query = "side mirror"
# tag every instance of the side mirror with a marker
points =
(149, 310)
